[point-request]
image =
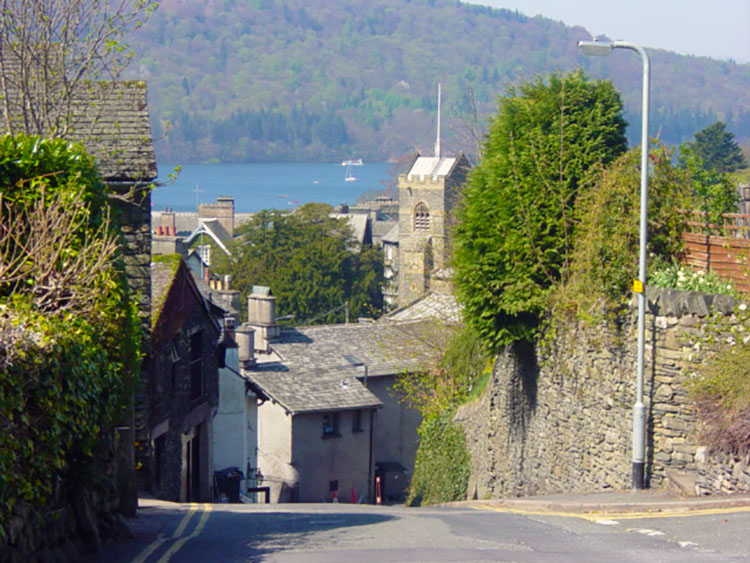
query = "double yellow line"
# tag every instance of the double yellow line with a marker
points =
(178, 538)
(593, 516)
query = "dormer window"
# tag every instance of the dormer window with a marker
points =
(421, 217)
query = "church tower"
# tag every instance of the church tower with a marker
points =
(427, 193)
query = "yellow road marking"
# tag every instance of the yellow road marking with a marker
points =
(179, 543)
(592, 516)
(156, 544)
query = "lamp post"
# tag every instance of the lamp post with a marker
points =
(602, 48)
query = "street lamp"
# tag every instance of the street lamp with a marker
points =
(602, 48)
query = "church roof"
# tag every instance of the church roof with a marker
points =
(357, 222)
(392, 235)
(431, 166)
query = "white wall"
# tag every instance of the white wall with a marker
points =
(275, 450)
(235, 425)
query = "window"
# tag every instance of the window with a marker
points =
(204, 252)
(357, 421)
(197, 381)
(331, 425)
(421, 217)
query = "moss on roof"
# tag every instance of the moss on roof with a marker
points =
(163, 271)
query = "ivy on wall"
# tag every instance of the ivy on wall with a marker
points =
(443, 464)
(69, 330)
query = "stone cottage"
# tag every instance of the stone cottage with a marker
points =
(183, 387)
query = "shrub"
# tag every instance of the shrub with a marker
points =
(443, 464)
(721, 391)
(546, 147)
(605, 255)
(69, 330)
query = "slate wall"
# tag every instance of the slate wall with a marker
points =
(559, 418)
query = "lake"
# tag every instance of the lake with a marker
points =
(257, 186)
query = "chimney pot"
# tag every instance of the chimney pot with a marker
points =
(245, 336)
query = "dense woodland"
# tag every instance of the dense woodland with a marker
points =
(240, 80)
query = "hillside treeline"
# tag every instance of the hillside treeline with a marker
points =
(356, 77)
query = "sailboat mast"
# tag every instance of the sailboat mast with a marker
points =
(437, 141)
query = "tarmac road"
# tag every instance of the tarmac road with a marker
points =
(550, 531)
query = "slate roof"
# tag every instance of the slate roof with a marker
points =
(443, 307)
(214, 229)
(357, 222)
(310, 371)
(113, 123)
(382, 229)
(392, 235)
(111, 120)
(162, 276)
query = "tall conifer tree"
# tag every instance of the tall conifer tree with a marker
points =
(547, 144)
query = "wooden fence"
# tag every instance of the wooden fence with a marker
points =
(723, 249)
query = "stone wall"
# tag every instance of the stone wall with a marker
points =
(133, 215)
(75, 521)
(559, 418)
(721, 474)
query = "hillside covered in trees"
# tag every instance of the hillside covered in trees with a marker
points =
(240, 80)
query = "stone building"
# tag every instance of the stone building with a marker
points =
(427, 193)
(183, 388)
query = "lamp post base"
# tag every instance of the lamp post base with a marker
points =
(639, 481)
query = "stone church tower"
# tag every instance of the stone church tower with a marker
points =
(427, 193)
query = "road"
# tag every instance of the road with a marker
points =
(334, 533)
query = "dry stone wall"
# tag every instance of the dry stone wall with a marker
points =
(558, 417)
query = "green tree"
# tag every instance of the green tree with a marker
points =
(717, 149)
(310, 261)
(546, 145)
(711, 189)
(605, 254)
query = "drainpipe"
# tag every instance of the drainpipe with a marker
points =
(369, 465)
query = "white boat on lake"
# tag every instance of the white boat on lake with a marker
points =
(355, 162)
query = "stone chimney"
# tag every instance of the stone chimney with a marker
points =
(261, 315)
(222, 210)
(164, 238)
(167, 221)
(245, 337)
